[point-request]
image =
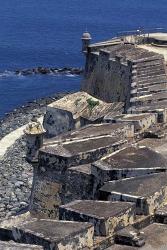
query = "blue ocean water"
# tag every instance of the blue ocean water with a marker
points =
(47, 33)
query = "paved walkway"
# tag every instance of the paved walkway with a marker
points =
(8, 140)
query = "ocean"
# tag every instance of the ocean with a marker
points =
(47, 33)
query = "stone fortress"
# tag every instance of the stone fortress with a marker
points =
(100, 156)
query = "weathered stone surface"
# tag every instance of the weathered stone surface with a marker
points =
(79, 183)
(95, 130)
(107, 217)
(56, 159)
(53, 234)
(130, 236)
(17, 246)
(148, 192)
(128, 162)
(141, 121)
(117, 72)
(74, 111)
(155, 239)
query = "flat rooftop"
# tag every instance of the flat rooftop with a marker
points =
(160, 145)
(52, 229)
(68, 149)
(131, 52)
(136, 117)
(151, 48)
(98, 209)
(155, 239)
(89, 131)
(81, 104)
(142, 186)
(17, 246)
(133, 158)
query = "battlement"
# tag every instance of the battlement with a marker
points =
(100, 170)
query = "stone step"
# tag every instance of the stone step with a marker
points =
(150, 83)
(130, 236)
(148, 59)
(155, 235)
(153, 78)
(148, 92)
(154, 68)
(158, 108)
(128, 162)
(140, 93)
(52, 234)
(149, 77)
(141, 121)
(148, 192)
(139, 73)
(17, 246)
(107, 217)
(148, 64)
(158, 86)
(146, 99)
(155, 87)
(151, 74)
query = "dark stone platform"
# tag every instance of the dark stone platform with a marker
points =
(128, 162)
(155, 239)
(93, 130)
(78, 152)
(130, 236)
(159, 145)
(148, 192)
(17, 246)
(106, 216)
(53, 234)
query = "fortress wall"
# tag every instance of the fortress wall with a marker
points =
(107, 78)
(50, 177)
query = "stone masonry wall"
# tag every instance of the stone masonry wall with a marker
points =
(107, 78)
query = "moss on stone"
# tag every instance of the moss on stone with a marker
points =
(92, 103)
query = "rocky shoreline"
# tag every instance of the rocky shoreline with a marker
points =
(16, 173)
(50, 70)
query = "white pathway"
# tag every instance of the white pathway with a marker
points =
(8, 140)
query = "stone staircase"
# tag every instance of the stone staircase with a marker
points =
(149, 82)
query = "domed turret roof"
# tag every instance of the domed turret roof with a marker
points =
(34, 128)
(86, 35)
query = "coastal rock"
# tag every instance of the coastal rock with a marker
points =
(47, 70)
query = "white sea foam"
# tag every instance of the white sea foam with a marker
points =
(7, 73)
